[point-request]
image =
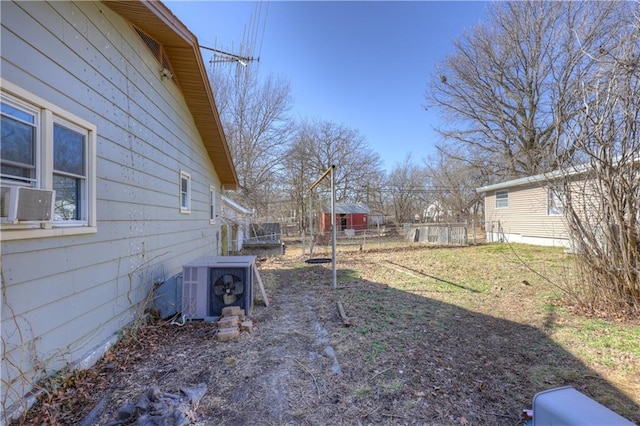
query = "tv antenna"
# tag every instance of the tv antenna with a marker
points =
(220, 56)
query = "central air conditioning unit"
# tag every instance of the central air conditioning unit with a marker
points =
(21, 204)
(214, 282)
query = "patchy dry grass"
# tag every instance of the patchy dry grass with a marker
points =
(398, 296)
(455, 336)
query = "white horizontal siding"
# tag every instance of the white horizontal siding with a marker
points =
(68, 294)
(526, 214)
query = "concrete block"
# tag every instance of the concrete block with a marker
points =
(246, 326)
(228, 322)
(228, 334)
(231, 310)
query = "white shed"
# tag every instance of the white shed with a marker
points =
(237, 220)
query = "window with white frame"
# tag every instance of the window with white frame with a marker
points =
(502, 199)
(47, 148)
(185, 192)
(212, 204)
(555, 202)
(69, 171)
(19, 147)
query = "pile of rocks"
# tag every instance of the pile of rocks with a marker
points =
(231, 323)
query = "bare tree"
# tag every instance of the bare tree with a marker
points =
(455, 182)
(407, 184)
(511, 85)
(602, 196)
(300, 175)
(255, 121)
(316, 146)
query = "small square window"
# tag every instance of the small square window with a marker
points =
(185, 192)
(502, 199)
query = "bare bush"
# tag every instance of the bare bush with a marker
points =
(602, 196)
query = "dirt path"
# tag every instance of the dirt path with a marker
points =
(283, 373)
(285, 368)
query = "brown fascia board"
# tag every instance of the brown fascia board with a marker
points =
(183, 51)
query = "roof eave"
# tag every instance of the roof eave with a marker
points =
(184, 53)
(542, 177)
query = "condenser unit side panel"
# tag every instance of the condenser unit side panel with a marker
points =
(189, 292)
(254, 286)
(202, 292)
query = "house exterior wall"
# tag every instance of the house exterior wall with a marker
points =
(65, 296)
(526, 218)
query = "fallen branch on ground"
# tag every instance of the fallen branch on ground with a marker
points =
(345, 319)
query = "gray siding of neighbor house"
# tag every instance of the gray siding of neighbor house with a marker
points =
(526, 215)
(63, 297)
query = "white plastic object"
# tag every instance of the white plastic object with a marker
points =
(566, 406)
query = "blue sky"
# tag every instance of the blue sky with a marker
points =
(362, 64)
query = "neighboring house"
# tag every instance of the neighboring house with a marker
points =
(236, 225)
(531, 209)
(434, 213)
(348, 216)
(525, 210)
(376, 218)
(107, 104)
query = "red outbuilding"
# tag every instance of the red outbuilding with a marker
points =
(348, 216)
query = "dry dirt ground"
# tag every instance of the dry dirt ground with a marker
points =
(409, 356)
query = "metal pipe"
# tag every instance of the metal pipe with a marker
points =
(330, 171)
(334, 274)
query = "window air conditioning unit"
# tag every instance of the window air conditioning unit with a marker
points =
(214, 282)
(21, 204)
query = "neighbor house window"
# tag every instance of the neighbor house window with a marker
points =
(47, 148)
(555, 206)
(502, 199)
(185, 192)
(212, 204)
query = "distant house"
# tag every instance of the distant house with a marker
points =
(348, 217)
(376, 218)
(525, 210)
(107, 104)
(434, 212)
(236, 227)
